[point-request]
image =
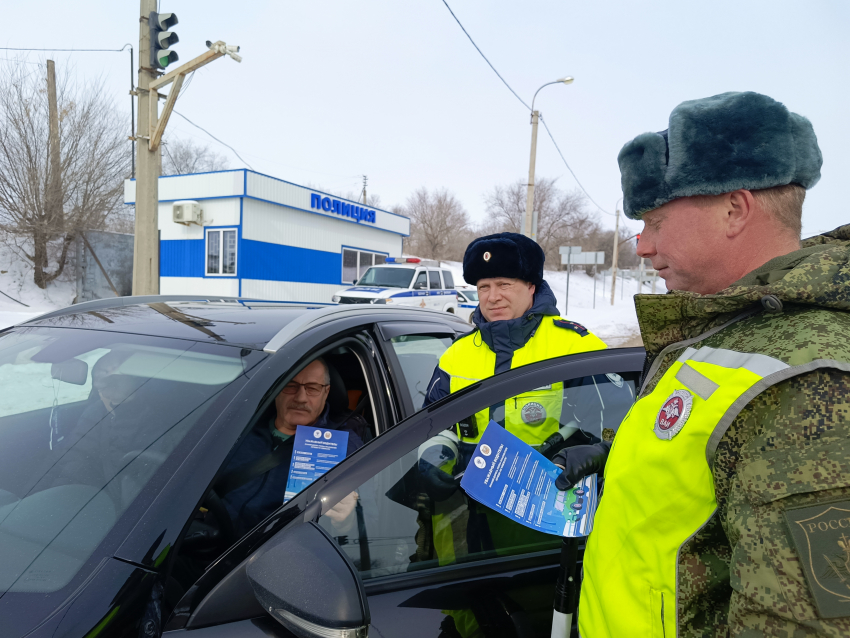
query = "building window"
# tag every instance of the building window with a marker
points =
(221, 251)
(355, 263)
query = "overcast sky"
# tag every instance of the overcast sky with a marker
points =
(333, 89)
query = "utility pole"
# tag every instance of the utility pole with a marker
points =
(529, 222)
(365, 181)
(148, 166)
(640, 276)
(529, 228)
(616, 251)
(152, 125)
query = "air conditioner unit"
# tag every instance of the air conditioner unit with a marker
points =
(187, 212)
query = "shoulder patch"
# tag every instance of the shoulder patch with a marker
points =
(820, 534)
(572, 325)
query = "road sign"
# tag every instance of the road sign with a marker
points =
(583, 259)
(565, 250)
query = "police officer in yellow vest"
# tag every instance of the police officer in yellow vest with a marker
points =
(726, 507)
(517, 323)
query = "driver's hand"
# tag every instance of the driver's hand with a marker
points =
(340, 514)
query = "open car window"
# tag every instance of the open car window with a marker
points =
(412, 515)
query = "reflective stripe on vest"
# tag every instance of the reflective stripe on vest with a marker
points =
(658, 494)
(532, 416)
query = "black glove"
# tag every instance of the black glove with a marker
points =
(435, 482)
(580, 461)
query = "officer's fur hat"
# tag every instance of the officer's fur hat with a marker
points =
(717, 145)
(503, 255)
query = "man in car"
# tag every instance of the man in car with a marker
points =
(254, 480)
(728, 483)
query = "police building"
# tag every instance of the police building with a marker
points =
(243, 234)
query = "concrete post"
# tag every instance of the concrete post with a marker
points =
(529, 223)
(148, 165)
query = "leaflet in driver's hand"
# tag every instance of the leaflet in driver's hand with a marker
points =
(512, 478)
(314, 452)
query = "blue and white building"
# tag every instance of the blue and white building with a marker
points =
(265, 238)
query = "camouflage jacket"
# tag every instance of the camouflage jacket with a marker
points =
(742, 574)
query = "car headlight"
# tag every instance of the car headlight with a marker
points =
(335, 298)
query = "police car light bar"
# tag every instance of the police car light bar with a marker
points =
(402, 260)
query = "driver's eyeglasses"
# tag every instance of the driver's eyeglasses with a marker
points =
(312, 389)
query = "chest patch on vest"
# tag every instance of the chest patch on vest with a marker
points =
(571, 325)
(673, 414)
(533, 413)
(821, 536)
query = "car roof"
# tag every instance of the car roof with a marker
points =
(251, 323)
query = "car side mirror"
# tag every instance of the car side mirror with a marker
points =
(310, 586)
(420, 285)
(70, 371)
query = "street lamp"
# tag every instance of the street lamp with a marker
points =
(529, 222)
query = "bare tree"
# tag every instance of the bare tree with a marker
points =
(183, 157)
(41, 212)
(562, 217)
(439, 224)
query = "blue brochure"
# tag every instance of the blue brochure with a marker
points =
(314, 452)
(512, 478)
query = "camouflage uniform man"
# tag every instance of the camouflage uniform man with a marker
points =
(726, 509)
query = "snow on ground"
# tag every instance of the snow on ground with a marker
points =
(16, 282)
(616, 325)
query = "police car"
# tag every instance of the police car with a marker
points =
(467, 302)
(405, 281)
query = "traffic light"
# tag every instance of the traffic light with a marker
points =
(162, 39)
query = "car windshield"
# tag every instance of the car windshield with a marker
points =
(387, 277)
(472, 295)
(86, 420)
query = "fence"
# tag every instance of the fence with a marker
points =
(104, 265)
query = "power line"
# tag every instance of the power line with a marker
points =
(557, 148)
(73, 50)
(526, 106)
(214, 137)
(485, 57)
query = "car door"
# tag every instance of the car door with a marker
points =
(435, 290)
(420, 290)
(417, 584)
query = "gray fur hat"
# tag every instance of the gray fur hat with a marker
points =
(717, 145)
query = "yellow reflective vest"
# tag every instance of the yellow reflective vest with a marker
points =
(532, 416)
(659, 489)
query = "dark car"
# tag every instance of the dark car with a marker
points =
(111, 523)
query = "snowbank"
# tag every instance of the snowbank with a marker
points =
(16, 284)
